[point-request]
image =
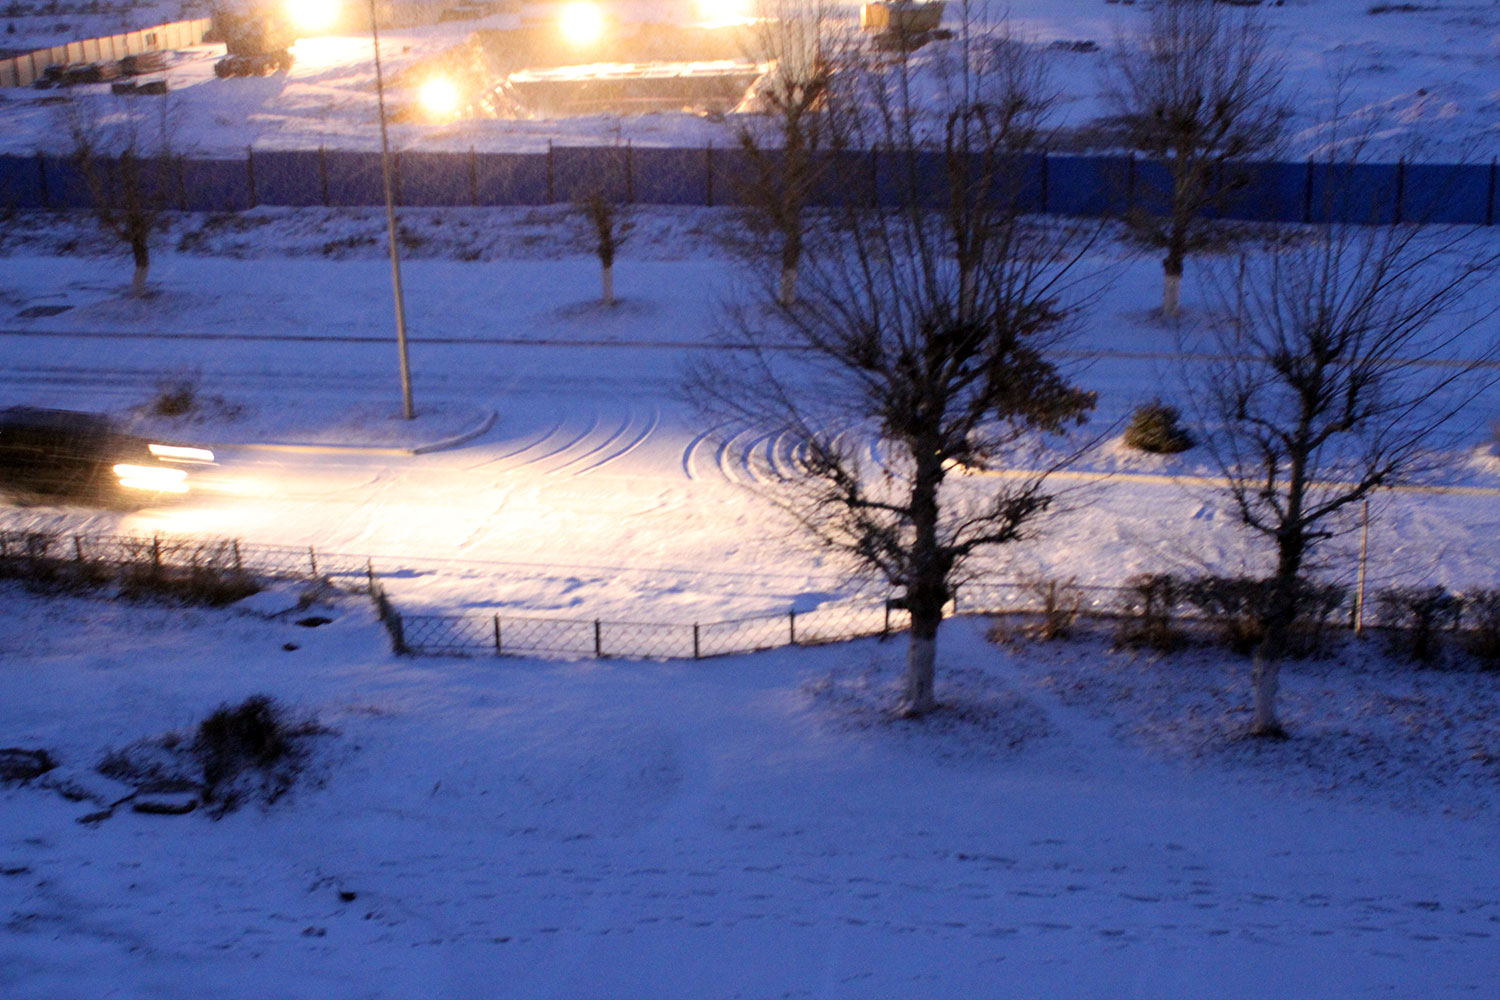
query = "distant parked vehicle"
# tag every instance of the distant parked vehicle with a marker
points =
(87, 457)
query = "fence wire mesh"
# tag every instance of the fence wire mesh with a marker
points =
(500, 633)
(273, 562)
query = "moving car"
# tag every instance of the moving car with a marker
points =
(87, 457)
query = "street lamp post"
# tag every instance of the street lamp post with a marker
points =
(390, 218)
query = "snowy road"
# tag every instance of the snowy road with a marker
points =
(596, 492)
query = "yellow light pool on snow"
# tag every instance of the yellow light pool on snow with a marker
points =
(157, 480)
(439, 97)
(582, 22)
(312, 15)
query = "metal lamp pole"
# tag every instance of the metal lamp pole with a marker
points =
(390, 218)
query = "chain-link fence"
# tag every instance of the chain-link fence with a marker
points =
(505, 634)
(272, 562)
(1156, 600)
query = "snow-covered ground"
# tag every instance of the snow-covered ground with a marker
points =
(1427, 75)
(1079, 823)
(596, 492)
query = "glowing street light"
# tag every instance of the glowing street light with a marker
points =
(312, 15)
(582, 22)
(439, 97)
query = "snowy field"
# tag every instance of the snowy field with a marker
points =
(1428, 75)
(1078, 823)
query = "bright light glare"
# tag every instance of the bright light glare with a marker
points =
(312, 15)
(172, 453)
(439, 97)
(157, 480)
(582, 23)
(725, 11)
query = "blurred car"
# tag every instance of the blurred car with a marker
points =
(87, 457)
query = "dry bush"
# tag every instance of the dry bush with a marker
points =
(1236, 607)
(1148, 607)
(1415, 618)
(1481, 619)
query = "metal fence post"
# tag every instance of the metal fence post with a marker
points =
(78, 547)
(792, 625)
(708, 176)
(156, 550)
(1400, 190)
(1364, 554)
(41, 170)
(885, 631)
(1489, 206)
(1307, 194)
(598, 639)
(235, 543)
(497, 635)
(312, 557)
(1046, 181)
(250, 175)
(697, 654)
(629, 173)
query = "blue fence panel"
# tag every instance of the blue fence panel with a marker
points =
(579, 171)
(66, 186)
(1151, 194)
(1090, 186)
(436, 178)
(733, 176)
(1064, 185)
(845, 178)
(512, 178)
(1361, 193)
(215, 186)
(1265, 192)
(21, 182)
(670, 176)
(356, 179)
(1450, 194)
(288, 178)
(1026, 179)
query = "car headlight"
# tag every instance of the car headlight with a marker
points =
(174, 453)
(153, 478)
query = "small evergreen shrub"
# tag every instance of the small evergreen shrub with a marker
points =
(175, 398)
(1156, 428)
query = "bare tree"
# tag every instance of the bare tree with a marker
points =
(608, 226)
(788, 131)
(1340, 357)
(1197, 89)
(129, 170)
(925, 327)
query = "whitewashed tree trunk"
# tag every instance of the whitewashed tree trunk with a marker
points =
(921, 670)
(1265, 678)
(1171, 295)
(609, 285)
(787, 294)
